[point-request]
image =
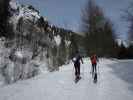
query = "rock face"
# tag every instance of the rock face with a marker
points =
(35, 45)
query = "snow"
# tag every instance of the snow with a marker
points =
(19, 54)
(13, 4)
(67, 42)
(60, 85)
(126, 43)
(17, 64)
(57, 40)
(23, 12)
(28, 13)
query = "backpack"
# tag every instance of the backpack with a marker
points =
(76, 59)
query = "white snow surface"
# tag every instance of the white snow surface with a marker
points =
(60, 85)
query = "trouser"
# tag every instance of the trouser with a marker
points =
(77, 69)
(94, 68)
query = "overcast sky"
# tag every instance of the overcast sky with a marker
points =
(67, 13)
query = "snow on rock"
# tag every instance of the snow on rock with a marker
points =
(126, 43)
(13, 4)
(16, 64)
(57, 40)
(67, 43)
(19, 54)
(26, 12)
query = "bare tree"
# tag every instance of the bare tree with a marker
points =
(98, 30)
(129, 17)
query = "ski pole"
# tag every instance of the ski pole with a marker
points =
(83, 71)
(73, 72)
(98, 69)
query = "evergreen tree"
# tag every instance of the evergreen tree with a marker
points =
(5, 28)
(123, 53)
(130, 52)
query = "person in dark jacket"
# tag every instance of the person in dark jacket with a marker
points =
(76, 60)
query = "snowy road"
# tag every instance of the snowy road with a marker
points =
(111, 84)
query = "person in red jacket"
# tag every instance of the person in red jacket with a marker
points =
(94, 60)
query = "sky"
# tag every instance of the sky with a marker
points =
(67, 13)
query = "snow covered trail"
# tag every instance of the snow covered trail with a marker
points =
(60, 85)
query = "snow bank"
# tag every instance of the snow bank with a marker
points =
(60, 85)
